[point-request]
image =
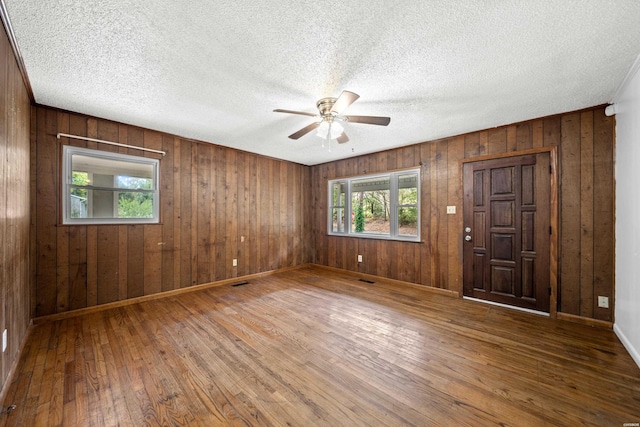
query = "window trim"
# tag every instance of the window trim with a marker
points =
(393, 207)
(68, 151)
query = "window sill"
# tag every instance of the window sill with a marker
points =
(375, 237)
(107, 223)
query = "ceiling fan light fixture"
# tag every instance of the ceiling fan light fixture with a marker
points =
(329, 130)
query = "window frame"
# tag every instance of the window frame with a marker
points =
(394, 205)
(67, 155)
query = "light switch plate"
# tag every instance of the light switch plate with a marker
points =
(451, 210)
(359, 258)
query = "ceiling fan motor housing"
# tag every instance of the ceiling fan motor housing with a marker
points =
(324, 107)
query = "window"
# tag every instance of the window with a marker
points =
(101, 187)
(377, 206)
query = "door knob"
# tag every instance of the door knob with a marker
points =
(467, 238)
(467, 229)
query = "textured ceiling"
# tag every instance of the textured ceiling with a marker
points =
(215, 70)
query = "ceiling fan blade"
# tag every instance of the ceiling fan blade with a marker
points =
(370, 120)
(343, 138)
(302, 113)
(345, 99)
(305, 130)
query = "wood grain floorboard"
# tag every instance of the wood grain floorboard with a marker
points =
(316, 347)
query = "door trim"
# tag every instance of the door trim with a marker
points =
(554, 219)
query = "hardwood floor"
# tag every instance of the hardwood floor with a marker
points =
(317, 347)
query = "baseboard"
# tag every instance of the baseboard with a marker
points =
(584, 320)
(14, 367)
(635, 355)
(374, 278)
(160, 295)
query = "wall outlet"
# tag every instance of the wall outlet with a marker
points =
(4, 341)
(359, 258)
(451, 210)
(235, 262)
(603, 302)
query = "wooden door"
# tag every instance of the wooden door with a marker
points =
(507, 230)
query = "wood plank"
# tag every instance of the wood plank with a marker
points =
(512, 138)
(195, 193)
(552, 131)
(202, 213)
(135, 267)
(603, 213)
(497, 141)
(442, 244)
(537, 134)
(251, 239)
(92, 233)
(177, 213)
(358, 354)
(187, 225)
(274, 219)
(455, 154)
(167, 206)
(107, 264)
(46, 205)
(472, 146)
(242, 196)
(152, 233)
(524, 136)
(62, 243)
(586, 214)
(219, 265)
(570, 208)
(78, 234)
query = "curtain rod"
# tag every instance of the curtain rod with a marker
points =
(84, 138)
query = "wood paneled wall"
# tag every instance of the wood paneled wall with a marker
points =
(216, 204)
(586, 157)
(15, 216)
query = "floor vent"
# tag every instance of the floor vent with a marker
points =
(367, 281)
(240, 284)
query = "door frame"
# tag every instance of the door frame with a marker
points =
(554, 218)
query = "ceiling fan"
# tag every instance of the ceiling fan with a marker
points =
(330, 116)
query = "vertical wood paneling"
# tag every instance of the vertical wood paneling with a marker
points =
(586, 207)
(214, 196)
(210, 197)
(17, 194)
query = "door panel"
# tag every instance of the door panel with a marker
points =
(506, 218)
